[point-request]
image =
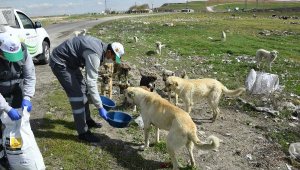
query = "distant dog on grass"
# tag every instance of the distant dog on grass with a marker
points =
(79, 33)
(159, 47)
(267, 56)
(162, 114)
(193, 89)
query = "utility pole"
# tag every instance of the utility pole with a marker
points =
(105, 6)
(186, 4)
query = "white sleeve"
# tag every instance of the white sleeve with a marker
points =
(92, 63)
(4, 106)
(29, 77)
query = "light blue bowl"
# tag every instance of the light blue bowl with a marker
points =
(118, 119)
(107, 103)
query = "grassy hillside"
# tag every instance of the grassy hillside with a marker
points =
(259, 5)
(196, 5)
(224, 5)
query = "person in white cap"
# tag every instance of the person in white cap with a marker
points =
(17, 78)
(66, 60)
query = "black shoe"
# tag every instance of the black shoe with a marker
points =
(88, 137)
(92, 124)
(4, 165)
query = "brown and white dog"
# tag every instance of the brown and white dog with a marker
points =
(193, 89)
(162, 114)
(122, 71)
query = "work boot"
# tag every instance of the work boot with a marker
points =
(4, 165)
(92, 124)
(88, 137)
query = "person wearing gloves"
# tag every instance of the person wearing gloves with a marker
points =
(17, 78)
(66, 60)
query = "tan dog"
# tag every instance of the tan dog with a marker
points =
(162, 114)
(168, 73)
(106, 79)
(190, 89)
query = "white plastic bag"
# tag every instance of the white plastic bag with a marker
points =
(261, 83)
(19, 143)
(139, 121)
(294, 150)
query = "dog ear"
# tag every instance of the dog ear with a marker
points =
(176, 83)
(130, 94)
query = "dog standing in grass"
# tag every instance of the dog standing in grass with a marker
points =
(191, 89)
(267, 56)
(162, 114)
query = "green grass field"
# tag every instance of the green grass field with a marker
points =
(190, 37)
(196, 38)
(259, 5)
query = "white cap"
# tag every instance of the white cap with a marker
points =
(11, 47)
(118, 49)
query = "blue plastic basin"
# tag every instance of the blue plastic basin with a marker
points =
(118, 119)
(107, 103)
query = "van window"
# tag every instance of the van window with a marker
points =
(27, 23)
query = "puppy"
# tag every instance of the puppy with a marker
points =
(184, 75)
(268, 56)
(163, 115)
(106, 79)
(122, 71)
(190, 89)
(106, 85)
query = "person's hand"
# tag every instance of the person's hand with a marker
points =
(14, 114)
(103, 113)
(27, 103)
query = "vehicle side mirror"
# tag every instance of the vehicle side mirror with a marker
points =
(38, 24)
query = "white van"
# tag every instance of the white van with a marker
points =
(32, 34)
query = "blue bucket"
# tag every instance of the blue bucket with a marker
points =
(118, 119)
(107, 103)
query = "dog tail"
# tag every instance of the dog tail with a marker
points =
(214, 143)
(233, 93)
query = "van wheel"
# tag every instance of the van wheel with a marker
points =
(44, 58)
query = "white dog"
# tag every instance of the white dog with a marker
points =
(162, 114)
(159, 46)
(268, 56)
(80, 33)
(135, 39)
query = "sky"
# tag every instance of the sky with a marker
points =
(60, 7)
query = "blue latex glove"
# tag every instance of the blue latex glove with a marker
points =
(14, 114)
(103, 113)
(27, 103)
